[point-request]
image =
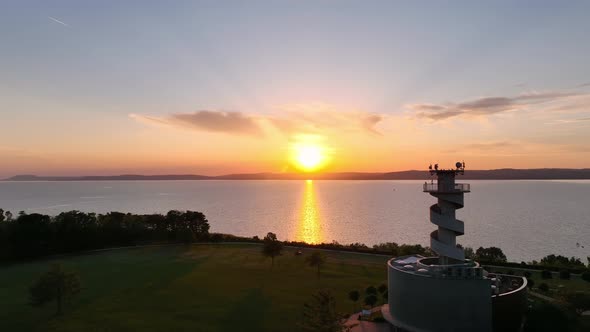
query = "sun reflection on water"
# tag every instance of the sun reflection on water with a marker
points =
(309, 228)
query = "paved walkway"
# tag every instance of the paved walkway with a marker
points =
(354, 325)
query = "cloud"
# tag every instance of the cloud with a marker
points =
(58, 21)
(564, 121)
(318, 118)
(485, 106)
(229, 122)
(487, 147)
(290, 120)
(212, 121)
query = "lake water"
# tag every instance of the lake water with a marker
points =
(527, 219)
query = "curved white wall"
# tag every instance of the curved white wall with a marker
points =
(424, 303)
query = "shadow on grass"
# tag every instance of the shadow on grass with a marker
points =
(251, 309)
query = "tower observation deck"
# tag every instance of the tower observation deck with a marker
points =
(450, 198)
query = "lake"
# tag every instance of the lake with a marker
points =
(527, 219)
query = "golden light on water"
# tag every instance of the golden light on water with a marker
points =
(309, 228)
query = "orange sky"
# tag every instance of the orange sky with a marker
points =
(221, 88)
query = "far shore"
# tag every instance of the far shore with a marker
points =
(494, 174)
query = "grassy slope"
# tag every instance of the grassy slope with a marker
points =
(196, 288)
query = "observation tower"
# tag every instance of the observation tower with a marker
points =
(448, 292)
(450, 198)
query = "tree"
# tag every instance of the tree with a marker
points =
(320, 315)
(564, 274)
(491, 254)
(371, 290)
(370, 300)
(30, 235)
(271, 247)
(530, 283)
(55, 285)
(469, 253)
(316, 259)
(354, 297)
(562, 261)
(579, 301)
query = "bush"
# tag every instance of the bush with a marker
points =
(586, 276)
(543, 287)
(530, 283)
(546, 274)
(527, 274)
(371, 290)
(564, 274)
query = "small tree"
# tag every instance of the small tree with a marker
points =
(55, 285)
(546, 274)
(579, 301)
(354, 296)
(564, 274)
(469, 253)
(586, 276)
(530, 283)
(316, 259)
(491, 254)
(271, 247)
(370, 300)
(320, 314)
(371, 290)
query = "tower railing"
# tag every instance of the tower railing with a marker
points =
(457, 187)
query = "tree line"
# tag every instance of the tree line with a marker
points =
(27, 236)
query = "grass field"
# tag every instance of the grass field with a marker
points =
(574, 284)
(226, 287)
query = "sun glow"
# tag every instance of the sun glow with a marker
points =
(309, 157)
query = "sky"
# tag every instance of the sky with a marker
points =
(218, 87)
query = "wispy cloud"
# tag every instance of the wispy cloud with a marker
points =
(317, 118)
(232, 122)
(290, 120)
(212, 121)
(565, 121)
(58, 21)
(485, 106)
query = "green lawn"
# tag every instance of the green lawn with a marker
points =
(574, 284)
(185, 288)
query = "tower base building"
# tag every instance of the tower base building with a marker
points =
(448, 292)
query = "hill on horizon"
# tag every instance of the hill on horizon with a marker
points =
(494, 174)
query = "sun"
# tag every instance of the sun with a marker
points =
(309, 157)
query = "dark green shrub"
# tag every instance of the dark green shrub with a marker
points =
(546, 274)
(586, 276)
(564, 274)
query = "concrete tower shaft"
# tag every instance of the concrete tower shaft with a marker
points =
(442, 214)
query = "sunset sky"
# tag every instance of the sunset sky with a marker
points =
(216, 87)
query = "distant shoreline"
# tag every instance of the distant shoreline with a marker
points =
(495, 174)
